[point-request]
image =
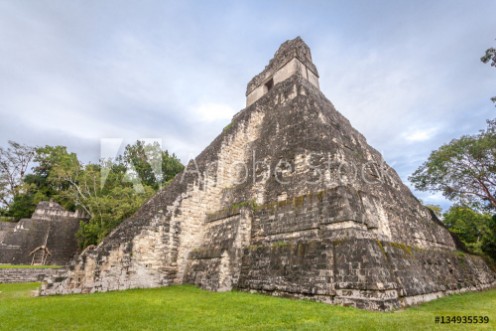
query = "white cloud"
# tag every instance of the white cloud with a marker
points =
(420, 135)
(211, 112)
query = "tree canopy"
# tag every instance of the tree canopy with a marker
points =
(490, 57)
(475, 229)
(464, 170)
(14, 163)
(107, 192)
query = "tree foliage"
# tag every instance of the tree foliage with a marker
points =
(475, 229)
(463, 170)
(489, 245)
(14, 163)
(150, 164)
(490, 57)
(107, 192)
(114, 189)
(470, 226)
(40, 184)
(107, 204)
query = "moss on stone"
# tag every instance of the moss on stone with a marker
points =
(405, 248)
(227, 127)
(280, 244)
(28, 266)
(300, 249)
(236, 207)
(379, 243)
(299, 201)
(232, 210)
(254, 247)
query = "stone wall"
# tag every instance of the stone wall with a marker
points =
(365, 273)
(25, 275)
(48, 210)
(50, 226)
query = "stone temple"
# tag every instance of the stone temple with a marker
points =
(288, 200)
(48, 237)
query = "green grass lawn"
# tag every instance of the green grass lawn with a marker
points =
(189, 308)
(28, 266)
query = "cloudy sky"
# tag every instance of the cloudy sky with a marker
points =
(406, 73)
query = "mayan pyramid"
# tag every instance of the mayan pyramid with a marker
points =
(288, 200)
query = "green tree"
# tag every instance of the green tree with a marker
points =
(22, 206)
(14, 163)
(143, 163)
(149, 164)
(463, 170)
(108, 205)
(171, 166)
(489, 244)
(107, 192)
(117, 197)
(54, 174)
(44, 183)
(469, 225)
(490, 57)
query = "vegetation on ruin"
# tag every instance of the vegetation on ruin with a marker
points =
(236, 207)
(108, 192)
(280, 244)
(28, 266)
(405, 248)
(381, 246)
(189, 308)
(296, 202)
(227, 127)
